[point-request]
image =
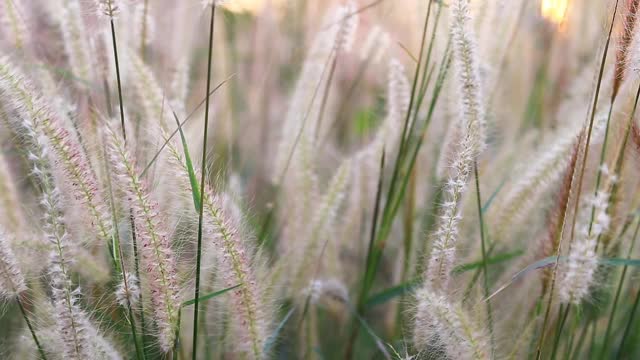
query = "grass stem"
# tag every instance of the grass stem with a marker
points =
(202, 184)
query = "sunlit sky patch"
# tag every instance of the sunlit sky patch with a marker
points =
(554, 10)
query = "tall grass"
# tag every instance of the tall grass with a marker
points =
(393, 179)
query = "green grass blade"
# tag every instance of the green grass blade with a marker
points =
(392, 293)
(408, 286)
(195, 188)
(271, 341)
(209, 296)
(499, 258)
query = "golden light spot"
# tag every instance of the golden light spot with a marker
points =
(554, 10)
(251, 6)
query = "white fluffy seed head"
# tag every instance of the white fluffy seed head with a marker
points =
(156, 254)
(237, 265)
(324, 292)
(472, 124)
(109, 8)
(577, 274)
(128, 294)
(349, 21)
(441, 323)
(76, 44)
(467, 72)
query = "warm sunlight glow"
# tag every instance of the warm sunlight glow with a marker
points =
(251, 6)
(554, 10)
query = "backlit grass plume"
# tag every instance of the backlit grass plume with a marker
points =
(445, 326)
(402, 179)
(472, 124)
(157, 258)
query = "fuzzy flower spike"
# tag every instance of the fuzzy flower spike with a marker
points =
(467, 76)
(157, 257)
(69, 159)
(109, 8)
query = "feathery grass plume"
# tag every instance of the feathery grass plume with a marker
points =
(366, 161)
(180, 86)
(69, 317)
(388, 134)
(331, 294)
(236, 262)
(551, 240)
(451, 134)
(12, 283)
(102, 348)
(545, 170)
(375, 46)
(576, 275)
(466, 74)
(252, 320)
(628, 25)
(443, 324)
(148, 89)
(157, 257)
(74, 33)
(12, 23)
(11, 215)
(318, 233)
(348, 28)
(143, 25)
(304, 108)
(110, 8)
(152, 99)
(128, 295)
(67, 153)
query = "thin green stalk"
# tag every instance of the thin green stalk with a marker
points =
(124, 136)
(363, 290)
(572, 338)
(593, 338)
(484, 254)
(564, 313)
(393, 203)
(617, 296)
(202, 183)
(584, 162)
(426, 79)
(115, 55)
(476, 275)
(31, 330)
(581, 339)
(630, 323)
(412, 99)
